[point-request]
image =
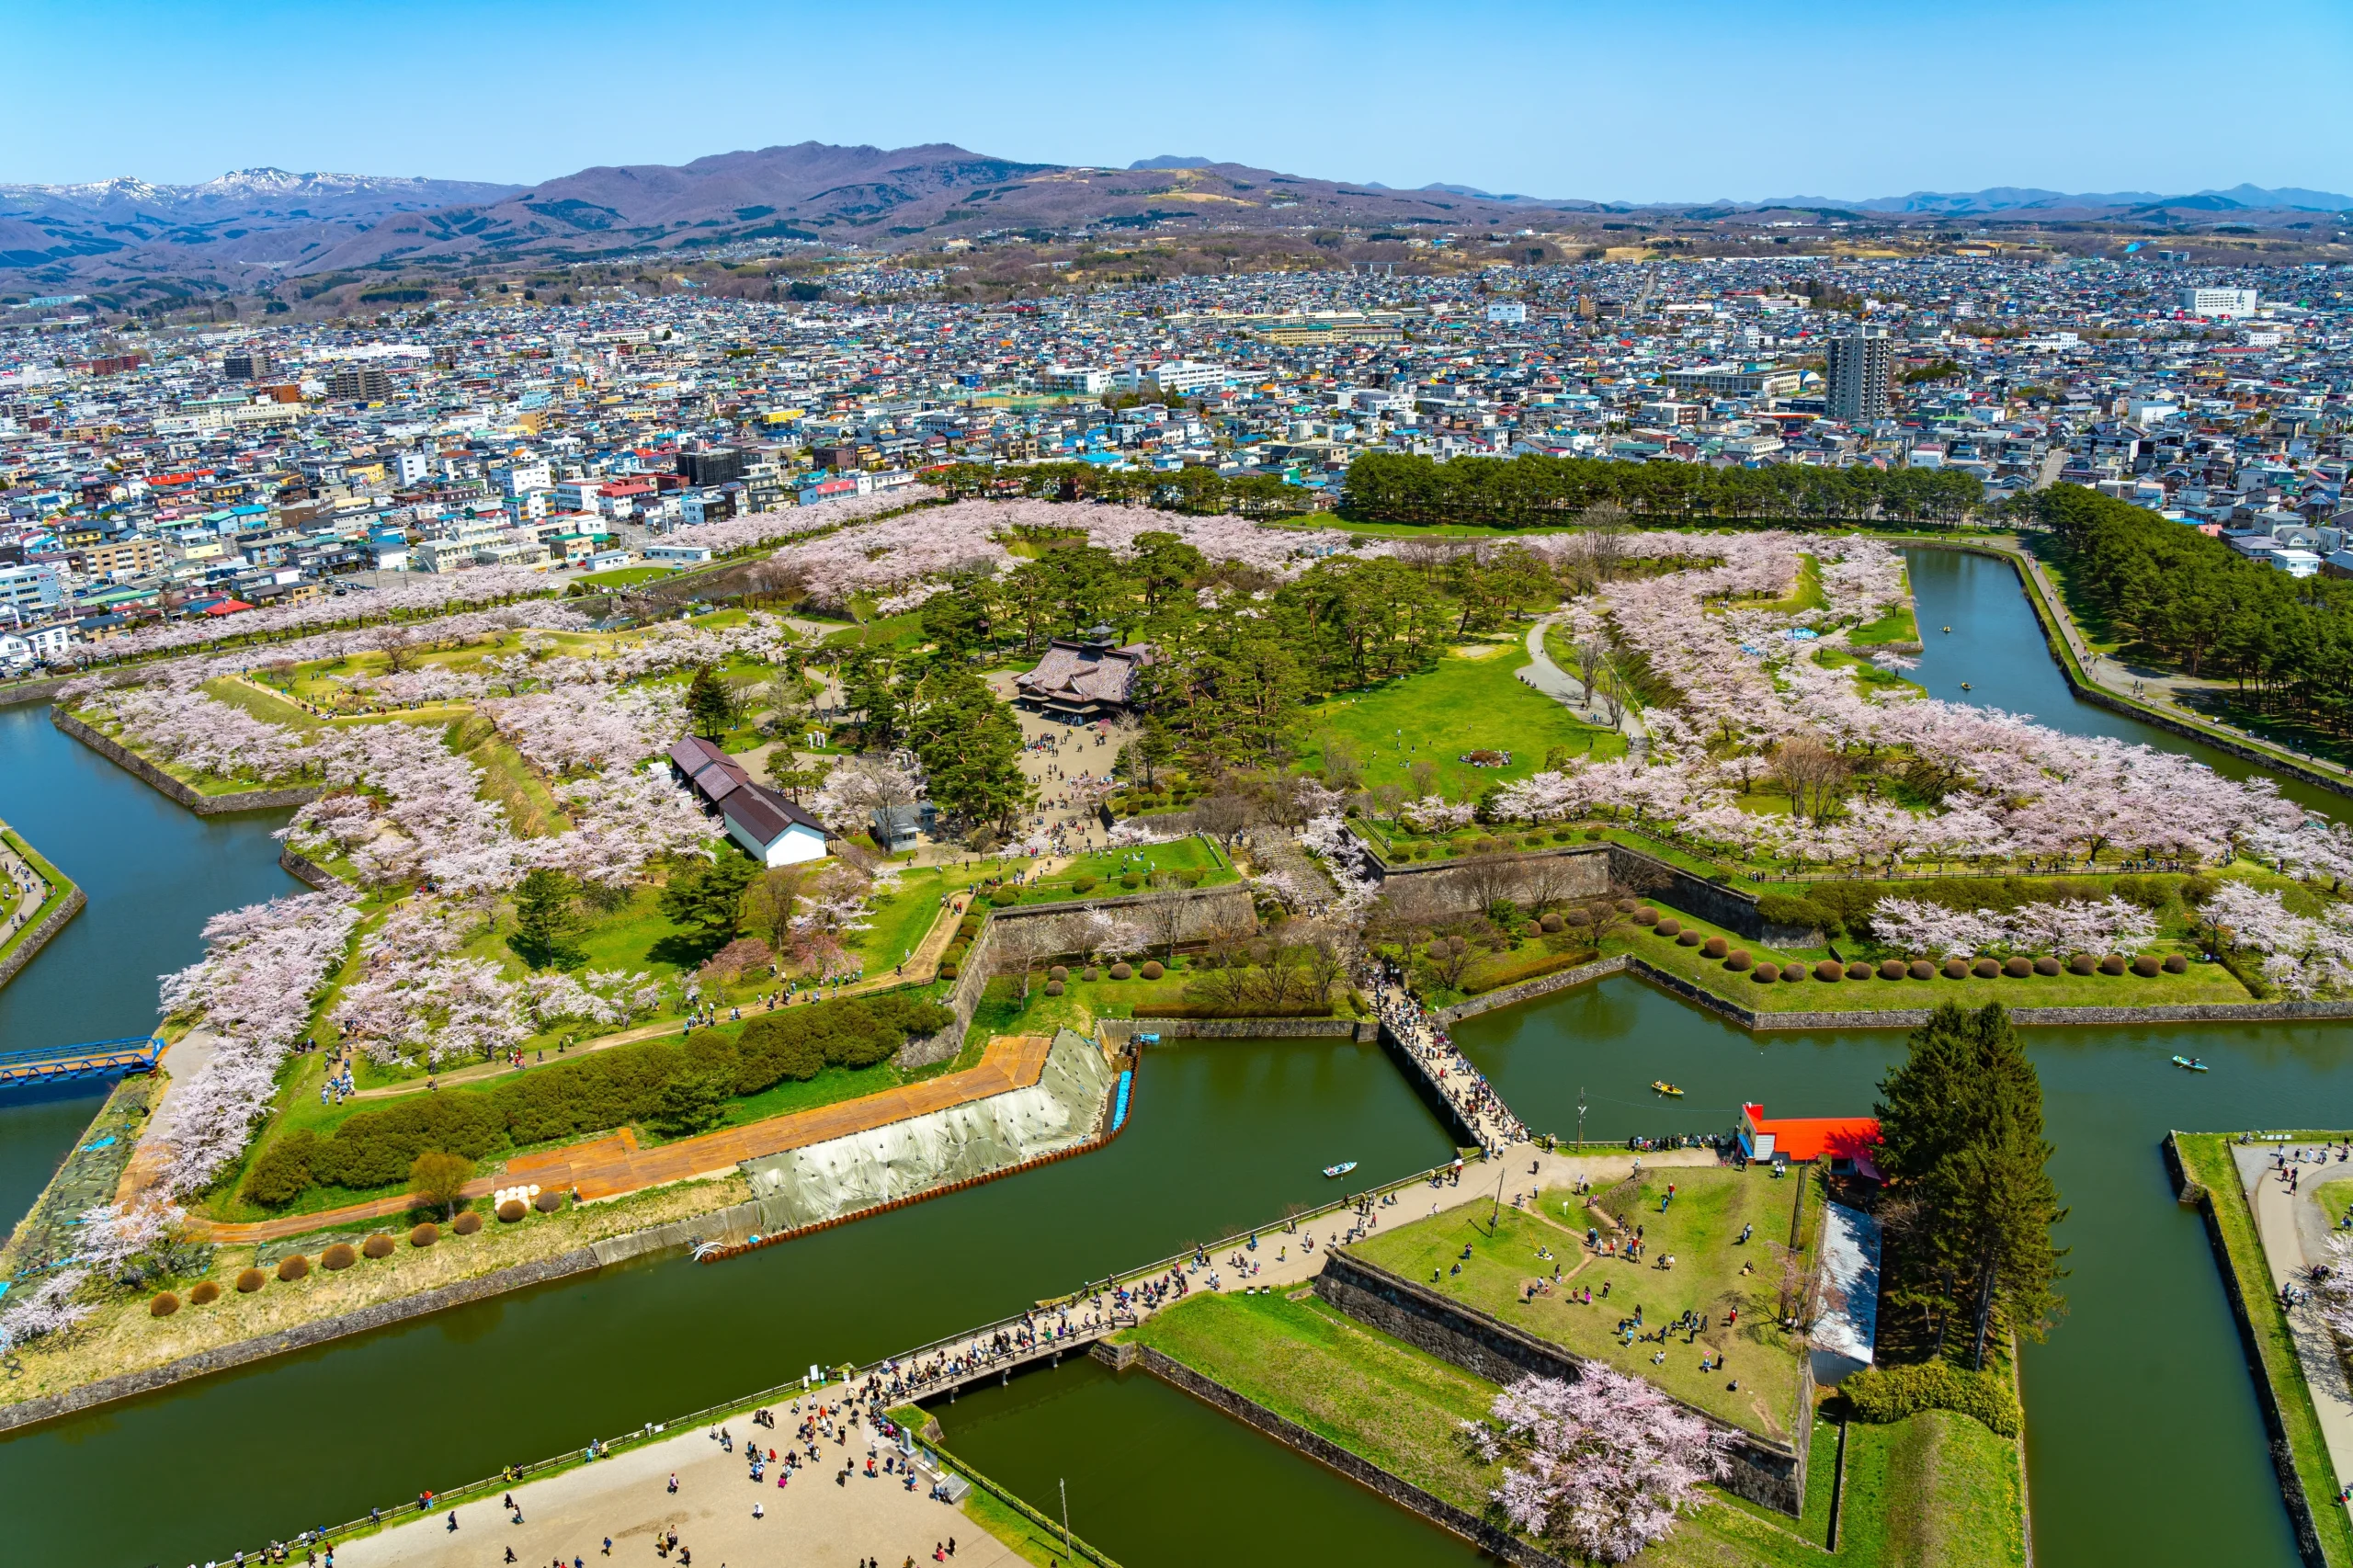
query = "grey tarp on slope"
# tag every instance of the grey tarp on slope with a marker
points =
(1065, 1107)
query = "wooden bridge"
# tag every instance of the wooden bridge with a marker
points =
(67, 1063)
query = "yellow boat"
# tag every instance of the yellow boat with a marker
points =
(1663, 1087)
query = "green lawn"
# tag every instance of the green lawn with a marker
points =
(1699, 1230)
(2206, 1157)
(1898, 625)
(1378, 1398)
(626, 576)
(61, 888)
(1462, 705)
(1102, 870)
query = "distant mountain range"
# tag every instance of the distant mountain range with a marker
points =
(253, 227)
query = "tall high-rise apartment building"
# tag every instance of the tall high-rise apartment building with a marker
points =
(2222, 303)
(1862, 364)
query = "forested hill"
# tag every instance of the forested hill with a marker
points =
(1533, 491)
(2197, 603)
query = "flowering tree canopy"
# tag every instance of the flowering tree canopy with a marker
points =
(1604, 1463)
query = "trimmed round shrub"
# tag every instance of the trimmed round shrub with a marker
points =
(466, 1224)
(548, 1202)
(338, 1257)
(292, 1267)
(1090, 972)
(949, 968)
(424, 1235)
(2175, 963)
(1689, 939)
(1716, 948)
(2017, 966)
(2046, 966)
(1859, 970)
(1668, 926)
(1828, 969)
(249, 1281)
(1628, 906)
(2145, 966)
(1083, 884)
(1793, 971)
(1121, 972)
(511, 1210)
(1487, 845)
(1985, 969)
(1152, 970)
(1956, 968)
(2113, 964)
(1004, 895)
(1767, 973)
(204, 1294)
(163, 1305)
(1891, 969)
(1646, 915)
(1738, 960)
(1594, 835)
(2080, 964)
(379, 1245)
(1060, 971)
(1130, 880)
(1921, 969)
(1550, 923)
(1055, 988)
(1561, 835)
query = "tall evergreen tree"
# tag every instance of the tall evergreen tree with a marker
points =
(1960, 1124)
(708, 705)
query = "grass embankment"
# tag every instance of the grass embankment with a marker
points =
(1699, 1229)
(1931, 1490)
(1105, 873)
(61, 888)
(2206, 1158)
(1460, 705)
(122, 1336)
(2200, 984)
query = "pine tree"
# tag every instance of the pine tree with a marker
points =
(708, 705)
(1960, 1124)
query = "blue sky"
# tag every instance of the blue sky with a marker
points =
(1670, 100)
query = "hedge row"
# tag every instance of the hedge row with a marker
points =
(671, 1085)
(1843, 907)
(1889, 1393)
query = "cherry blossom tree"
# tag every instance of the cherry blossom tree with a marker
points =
(1605, 1464)
(49, 1306)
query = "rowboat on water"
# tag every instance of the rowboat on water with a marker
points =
(2189, 1063)
(1342, 1168)
(1663, 1087)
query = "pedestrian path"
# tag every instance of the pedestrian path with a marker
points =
(1445, 1068)
(2292, 1230)
(1554, 682)
(614, 1164)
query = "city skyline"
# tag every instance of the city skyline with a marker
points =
(1369, 94)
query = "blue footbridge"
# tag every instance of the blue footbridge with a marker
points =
(69, 1064)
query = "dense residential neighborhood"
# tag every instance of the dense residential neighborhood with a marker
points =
(179, 472)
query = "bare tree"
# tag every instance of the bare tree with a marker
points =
(1813, 775)
(1384, 800)
(1422, 778)
(1605, 537)
(1489, 879)
(1021, 946)
(769, 904)
(1223, 816)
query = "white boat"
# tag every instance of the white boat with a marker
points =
(1342, 1168)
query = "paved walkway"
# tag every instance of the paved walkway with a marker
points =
(32, 891)
(613, 1166)
(810, 1521)
(181, 1061)
(2293, 1231)
(1554, 682)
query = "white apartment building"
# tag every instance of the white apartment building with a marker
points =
(2222, 303)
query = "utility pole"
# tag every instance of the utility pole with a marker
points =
(1495, 1215)
(1580, 1118)
(1064, 1487)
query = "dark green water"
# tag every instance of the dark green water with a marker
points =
(1158, 1480)
(153, 873)
(2145, 1445)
